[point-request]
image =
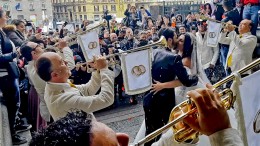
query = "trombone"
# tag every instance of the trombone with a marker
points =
(73, 37)
(187, 134)
(161, 42)
(225, 24)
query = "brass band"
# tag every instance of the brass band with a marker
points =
(138, 70)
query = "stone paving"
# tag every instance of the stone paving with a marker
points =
(125, 118)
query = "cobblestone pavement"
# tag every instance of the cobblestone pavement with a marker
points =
(124, 117)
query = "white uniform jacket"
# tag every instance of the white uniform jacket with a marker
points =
(67, 55)
(241, 48)
(206, 55)
(62, 98)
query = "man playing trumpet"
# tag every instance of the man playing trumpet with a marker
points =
(241, 46)
(62, 96)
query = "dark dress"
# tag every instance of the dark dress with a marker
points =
(166, 67)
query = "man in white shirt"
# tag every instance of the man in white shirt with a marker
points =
(241, 47)
(207, 56)
(61, 96)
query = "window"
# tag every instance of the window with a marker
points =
(80, 16)
(104, 7)
(6, 7)
(85, 17)
(31, 6)
(43, 6)
(84, 8)
(79, 8)
(113, 7)
(74, 9)
(96, 8)
(18, 7)
(96, 17)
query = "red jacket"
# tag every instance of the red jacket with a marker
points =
(245, 2)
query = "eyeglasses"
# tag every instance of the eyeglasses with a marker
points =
(36, 47)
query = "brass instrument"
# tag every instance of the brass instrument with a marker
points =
(187, 108)
(225, 24)
(72, 39)
(161, 42)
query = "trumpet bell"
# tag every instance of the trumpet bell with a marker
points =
(184, 133)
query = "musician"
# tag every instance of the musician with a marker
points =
(241, 46)
(159, 102)
(219, 134)
(93, 133)
(207, 56)
(231, 14)
(61, 96)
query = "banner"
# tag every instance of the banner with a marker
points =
(89, 44)
(213, 32)
(136, 68)
(250, 97)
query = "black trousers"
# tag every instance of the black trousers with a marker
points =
(11, 98)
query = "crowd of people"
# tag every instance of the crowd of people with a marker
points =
(44, 80)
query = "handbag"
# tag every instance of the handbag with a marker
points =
(13, 70)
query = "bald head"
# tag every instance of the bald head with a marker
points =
(44, 66)
(52, 68)
(245, 26)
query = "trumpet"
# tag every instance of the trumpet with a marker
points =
(225, 24)
(72, 39)
(185, 134)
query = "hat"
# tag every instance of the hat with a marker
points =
(228, 3)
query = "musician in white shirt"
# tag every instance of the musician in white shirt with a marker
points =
(62, 96)
(241, 46)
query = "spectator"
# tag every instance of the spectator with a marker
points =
(9, 81)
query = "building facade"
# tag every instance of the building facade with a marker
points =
(78, 10)
(37, 11)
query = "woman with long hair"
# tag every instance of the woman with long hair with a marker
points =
(186, 48)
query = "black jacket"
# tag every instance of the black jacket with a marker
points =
(232, 15)
(14, 35)
(7, 51)
(165, 67)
